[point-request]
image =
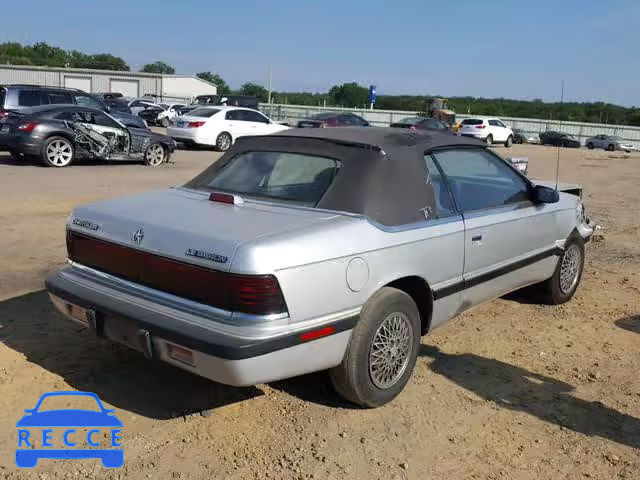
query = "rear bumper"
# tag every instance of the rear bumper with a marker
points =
(190, 135)
(219, 352)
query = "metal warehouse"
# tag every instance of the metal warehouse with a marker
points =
(130, 84)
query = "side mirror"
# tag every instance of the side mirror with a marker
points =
(542, 194)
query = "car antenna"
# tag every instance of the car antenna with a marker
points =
(560, 128)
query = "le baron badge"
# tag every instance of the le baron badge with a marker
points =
(48, 431)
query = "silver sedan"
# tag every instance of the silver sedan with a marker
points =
(609, 142)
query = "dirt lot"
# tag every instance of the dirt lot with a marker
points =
(508, 391)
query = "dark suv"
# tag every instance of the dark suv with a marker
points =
(15, 98)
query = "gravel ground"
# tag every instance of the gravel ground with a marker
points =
(510, 390)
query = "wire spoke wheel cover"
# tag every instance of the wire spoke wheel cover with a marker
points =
(59, 153)
(390, 350)
(570, 268)
(155, 155)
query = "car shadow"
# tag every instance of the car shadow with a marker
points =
(315, 388)
(543, 397)
(29, 324)
(630, 323)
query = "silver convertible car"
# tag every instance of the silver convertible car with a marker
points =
(318, 249)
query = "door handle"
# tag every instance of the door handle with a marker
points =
(476, 238)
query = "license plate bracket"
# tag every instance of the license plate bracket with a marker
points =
(128, 334)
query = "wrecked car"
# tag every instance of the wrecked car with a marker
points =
(60, 134)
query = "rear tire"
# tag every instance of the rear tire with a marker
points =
(489, 140)
(382, 351)
(509, 142)
(57, 152)
(164, 122)
(155, 155)
(223, 142)
(566, 278)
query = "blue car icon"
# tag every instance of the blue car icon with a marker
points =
(69, 418)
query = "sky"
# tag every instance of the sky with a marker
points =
(488, 48)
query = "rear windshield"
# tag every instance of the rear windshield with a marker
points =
(203, 112)
(206, 99)
(472, 121)
(290, 177)
(324, 116)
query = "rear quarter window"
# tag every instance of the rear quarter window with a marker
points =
(29, 98)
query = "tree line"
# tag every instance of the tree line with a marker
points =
(350, 95)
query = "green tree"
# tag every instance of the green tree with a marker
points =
(158, 67)
(216, 79)
(255, 90)
(43, 54)
(349, 95)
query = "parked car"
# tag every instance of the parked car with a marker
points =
(162, 115)
(333, 119)
(522, 136)
(16, 98)
(245, 276)
(245, 101)
(609, 142)
(60, 134)
(139, 104)
(559, 139)
(220, 126)
(489, 130)
(150, 113)
(117, 104)
(420, 123)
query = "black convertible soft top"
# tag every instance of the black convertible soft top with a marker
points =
(383, 175)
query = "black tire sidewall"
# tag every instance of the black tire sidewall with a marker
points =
(509, 142)
(45, 145)
(356, 362)
(489, 140)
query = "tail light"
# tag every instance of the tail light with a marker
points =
(480, 126)
(4, 114)
(27, 127)
(250, 294)
(195, 124)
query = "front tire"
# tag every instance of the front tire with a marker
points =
(489, 140)
(164, 122)
(611, 147)
(155, 155)
(57, 152)
(590, 146)
(382, 351)
(566, 278)
(509, 142)
(223, 142)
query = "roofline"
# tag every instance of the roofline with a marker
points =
(98, 71)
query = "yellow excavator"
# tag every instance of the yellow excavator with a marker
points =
(439, 108)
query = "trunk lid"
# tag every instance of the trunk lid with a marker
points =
(186, 225)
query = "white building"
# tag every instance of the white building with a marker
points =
(130, 84)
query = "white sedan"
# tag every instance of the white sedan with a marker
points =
(219, 126)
